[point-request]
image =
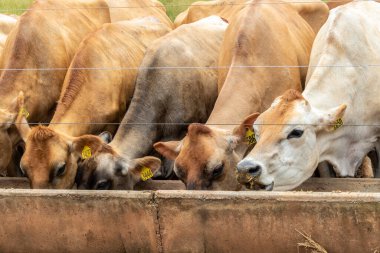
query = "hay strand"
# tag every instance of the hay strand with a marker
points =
(310, 244)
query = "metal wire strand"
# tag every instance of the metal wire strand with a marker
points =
(171, 5)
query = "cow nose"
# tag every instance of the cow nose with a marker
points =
(251, 167)
(190, 186)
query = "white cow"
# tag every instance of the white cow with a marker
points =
(297, 131)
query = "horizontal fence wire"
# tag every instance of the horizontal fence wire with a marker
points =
(172, 5)
(181, 67)
(186, 124)
(194, 67)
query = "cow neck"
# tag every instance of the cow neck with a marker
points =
(74, 126)
(136, 135)
(11, 83)
(219, 119)
(351, 144)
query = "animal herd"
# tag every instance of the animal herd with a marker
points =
(234, 95)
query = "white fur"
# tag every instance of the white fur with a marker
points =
(349, 37)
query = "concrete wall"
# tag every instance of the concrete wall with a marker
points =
(313, 184)
(186, 221)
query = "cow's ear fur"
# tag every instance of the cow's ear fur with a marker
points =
(240, 131)
(148, 162)
(92, 142)
(21, 121)
(106, 137)
(169, 149)
(330, 118)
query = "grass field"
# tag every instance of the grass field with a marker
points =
(173, 7)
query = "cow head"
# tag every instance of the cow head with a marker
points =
(107, 170)
(206, 157)
(7, 119)
(287, 151)
(50, 158)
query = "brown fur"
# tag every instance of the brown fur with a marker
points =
(41, 133)
(198, 129)
(92, 95)
(202, 9)
(252, 39)
(43, 41)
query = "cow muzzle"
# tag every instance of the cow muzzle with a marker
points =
(248, 173)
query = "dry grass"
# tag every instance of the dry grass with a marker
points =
(173, 7)
(310, 244)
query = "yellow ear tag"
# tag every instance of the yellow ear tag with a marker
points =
(250, 136)
(24, 112)
(146, 173)
(338, 124)
(86, 152)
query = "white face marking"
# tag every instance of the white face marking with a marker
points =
(286, 161)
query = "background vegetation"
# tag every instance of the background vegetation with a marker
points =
(173, 7)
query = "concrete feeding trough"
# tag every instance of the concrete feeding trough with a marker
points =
(158, 220)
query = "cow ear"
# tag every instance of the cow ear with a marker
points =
(145, 168)
(247, 124)
(106, 137)
(7, 119)
(8, 116)
(86, 146)
(332, 120)
(22, 115)
(169, 149)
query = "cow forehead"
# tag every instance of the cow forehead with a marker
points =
(197, 154)
(282, 115)
(275, 117)
(44, 153)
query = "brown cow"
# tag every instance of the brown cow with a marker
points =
(132, 9)
(225, 9)
(6, 24)
(98, 95)
(77, 19)
(301, 130)
(260, 35)
(41, 40)
(164, 94)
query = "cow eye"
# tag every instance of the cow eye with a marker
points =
(104, 185)
(296, 133)
(61, 170)
(218, 170)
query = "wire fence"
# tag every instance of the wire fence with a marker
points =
(187, 124)
(194, 67)
(176, 5)
(183, 67)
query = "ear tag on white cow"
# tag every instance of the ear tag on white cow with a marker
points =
(24, 112)
(250, 136)
(146, 173)
(86, 152)
(338, 124)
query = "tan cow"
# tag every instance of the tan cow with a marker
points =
(260, 35)
(164, 96)
(6, 24)
(40, 42)
(97, 95)
(301, 130)
(132, 9)
(225, 9)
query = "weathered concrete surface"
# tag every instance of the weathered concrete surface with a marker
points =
(73, 221)
(267, 222)
(341, 184)
(313, 184)
(186, 221)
